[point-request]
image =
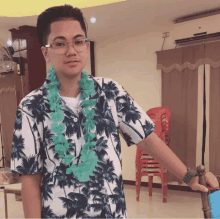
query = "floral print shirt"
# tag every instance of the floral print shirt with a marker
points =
(33, 151)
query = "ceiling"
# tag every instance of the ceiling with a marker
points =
(129, 16)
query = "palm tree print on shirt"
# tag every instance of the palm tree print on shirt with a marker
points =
(33, 151)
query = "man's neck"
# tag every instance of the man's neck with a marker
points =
(70, 92)
(70, 87)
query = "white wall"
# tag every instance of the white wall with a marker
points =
(131, 61)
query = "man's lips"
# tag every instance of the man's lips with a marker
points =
(71, 62)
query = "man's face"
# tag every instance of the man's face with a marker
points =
(68, 29)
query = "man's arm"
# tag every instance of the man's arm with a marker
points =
(155, 147)
(31, 195)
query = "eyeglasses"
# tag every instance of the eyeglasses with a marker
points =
(61, 46)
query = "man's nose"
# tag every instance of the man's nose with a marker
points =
(71, 48)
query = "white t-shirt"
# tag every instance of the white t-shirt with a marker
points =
(73, 103)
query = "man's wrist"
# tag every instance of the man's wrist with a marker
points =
(189, 175)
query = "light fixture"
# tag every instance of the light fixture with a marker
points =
(9, 42)
(93, 19)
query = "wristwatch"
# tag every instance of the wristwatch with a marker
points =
(189, 175)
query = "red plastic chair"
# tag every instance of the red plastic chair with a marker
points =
(147, 165)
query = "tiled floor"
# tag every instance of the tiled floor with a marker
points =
(179, 204)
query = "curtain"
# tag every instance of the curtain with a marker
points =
(180, 94)
(182, 91)
(212, 52)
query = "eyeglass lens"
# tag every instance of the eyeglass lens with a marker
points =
(61, 46)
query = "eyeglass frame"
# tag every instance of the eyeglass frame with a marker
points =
(50, 45)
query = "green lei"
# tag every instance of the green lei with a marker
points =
(89, 159)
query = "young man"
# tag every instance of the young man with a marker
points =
(73, 169)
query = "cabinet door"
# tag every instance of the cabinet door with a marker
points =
(33, 65)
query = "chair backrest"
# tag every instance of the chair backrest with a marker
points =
(161, 118)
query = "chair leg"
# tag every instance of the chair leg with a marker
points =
(137, 192)
(164, 186)
(150, 181)
(138, 184)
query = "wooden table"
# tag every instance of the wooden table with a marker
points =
(11, 188)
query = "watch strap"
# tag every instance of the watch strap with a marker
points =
(189, 175)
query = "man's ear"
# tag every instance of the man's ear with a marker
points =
(45, 54)
(89, 47)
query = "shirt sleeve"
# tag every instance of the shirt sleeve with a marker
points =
(134, 123)
(27, 154)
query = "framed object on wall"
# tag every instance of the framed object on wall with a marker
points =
(90, 64)
(92, 57)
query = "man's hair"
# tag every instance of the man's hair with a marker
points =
(57, 13)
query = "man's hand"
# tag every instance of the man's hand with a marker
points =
(211, 180)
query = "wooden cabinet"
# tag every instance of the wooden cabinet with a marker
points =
(33, 66)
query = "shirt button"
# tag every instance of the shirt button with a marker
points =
(75, 119)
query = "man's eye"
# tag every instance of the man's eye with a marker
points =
(59, 44)
(78, 42)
